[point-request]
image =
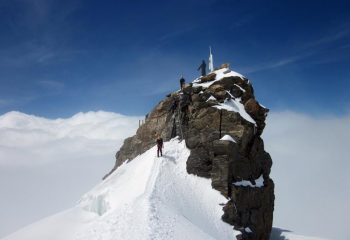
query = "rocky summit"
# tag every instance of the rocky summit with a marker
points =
(221, 123)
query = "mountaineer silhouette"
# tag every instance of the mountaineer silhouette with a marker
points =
(202, 67)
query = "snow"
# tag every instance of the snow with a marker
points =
(259, 182)
(212, 98)
(220, 74)
(235, 105)
(262, 105)
(242, 89)
(228, 138)
(147, 198)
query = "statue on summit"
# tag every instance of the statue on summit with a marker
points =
(202, 67)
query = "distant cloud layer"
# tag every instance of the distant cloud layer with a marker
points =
(311, 167)
(46, 165)
(28, 140)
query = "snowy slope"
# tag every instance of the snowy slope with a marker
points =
(147, 198)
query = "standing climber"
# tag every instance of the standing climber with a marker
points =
(160, 145)
(202, 67)
(185, 100)
(173, 106)
(182, 82)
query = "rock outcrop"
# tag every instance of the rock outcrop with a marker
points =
(222, 125)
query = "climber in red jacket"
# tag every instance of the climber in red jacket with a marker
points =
(160, 145)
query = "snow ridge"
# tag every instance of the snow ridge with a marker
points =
(147, 198)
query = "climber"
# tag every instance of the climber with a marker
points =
(173, 128)
(185, 100)
(160, 145)
(173, 106)
(172, 109)
(202, 67)
(182, 82)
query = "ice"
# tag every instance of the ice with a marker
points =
(240, 87)
(235, 105)
(245, 183)
(228, 138)
(98, 204)
(211, 98)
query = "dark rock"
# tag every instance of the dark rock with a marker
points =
(196, 98)
(221, 176)
(221, 147)
(208, 78)
(197, 90)
(239, 237)
(218, 91)
(199, 162)
(257, 112)
(236, 92)
(231, 214)
(224, 65)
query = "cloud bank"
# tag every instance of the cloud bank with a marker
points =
(46, 165)
(29, 140)
(310, 168)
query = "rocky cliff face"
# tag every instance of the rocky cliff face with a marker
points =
(221, 122)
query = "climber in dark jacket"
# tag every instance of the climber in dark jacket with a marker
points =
(173, 106)
(185, 100)
(182, 82)
(202, 67)
(160, 145)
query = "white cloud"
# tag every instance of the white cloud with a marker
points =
(46, 140)
(46, 165)
(311, 166)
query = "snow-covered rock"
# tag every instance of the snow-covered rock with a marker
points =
(217, 107)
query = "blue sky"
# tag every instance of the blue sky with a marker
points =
(62, 57)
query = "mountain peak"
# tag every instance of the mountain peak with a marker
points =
(201, 113)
